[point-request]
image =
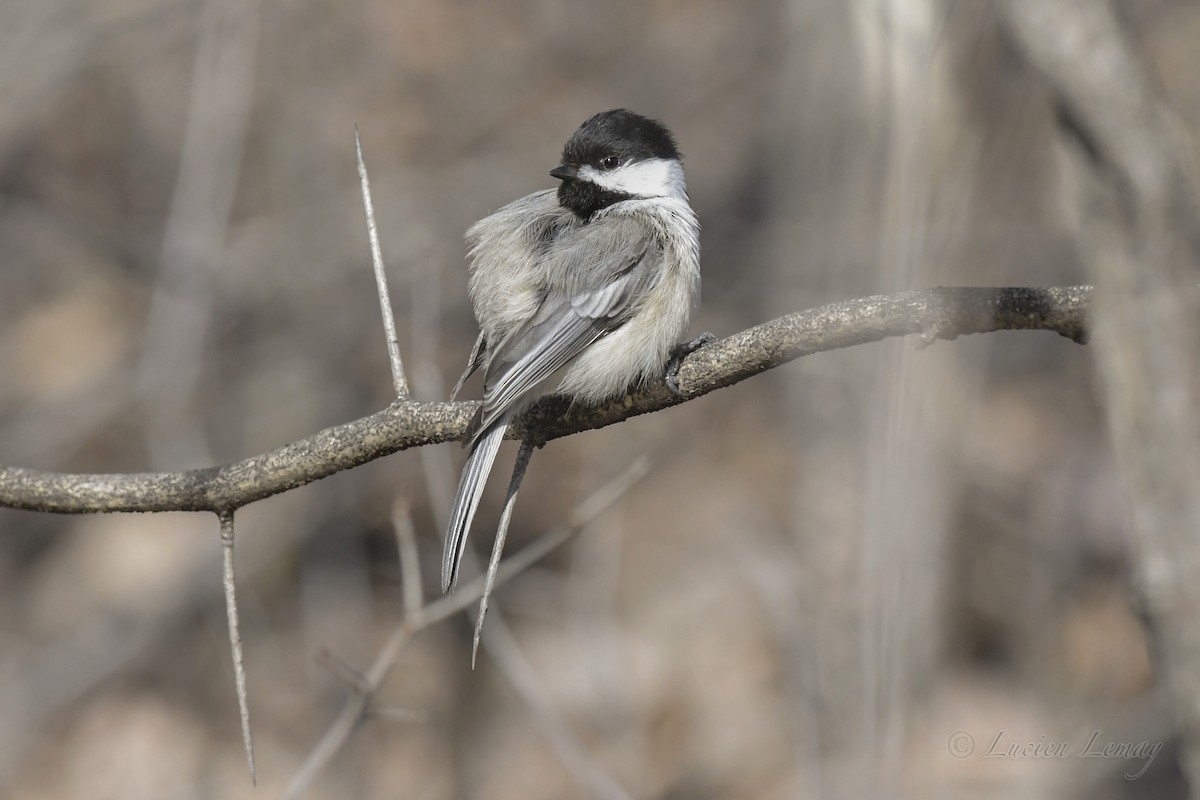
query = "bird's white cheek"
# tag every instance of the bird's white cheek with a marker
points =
(655, 177)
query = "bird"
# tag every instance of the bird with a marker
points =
(593, 282)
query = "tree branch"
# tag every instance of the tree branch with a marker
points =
(941, 313)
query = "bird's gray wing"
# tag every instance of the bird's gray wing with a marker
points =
(597, 276)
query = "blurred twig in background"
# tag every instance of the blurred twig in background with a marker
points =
(179, 319)
(1136, 205)
(420, 617)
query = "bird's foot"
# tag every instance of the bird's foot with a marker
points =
(678, 353)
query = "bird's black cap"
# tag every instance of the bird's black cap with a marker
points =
(619, 133)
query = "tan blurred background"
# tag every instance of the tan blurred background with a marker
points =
(834, 571)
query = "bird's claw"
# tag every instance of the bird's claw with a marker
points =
(678, 353)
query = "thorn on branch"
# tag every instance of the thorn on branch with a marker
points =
(399, 380)
(235, 637)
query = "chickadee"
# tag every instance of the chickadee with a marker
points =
(595, 279)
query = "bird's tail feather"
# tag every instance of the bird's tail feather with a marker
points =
(466, 501)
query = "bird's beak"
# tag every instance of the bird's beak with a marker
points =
(564, 172)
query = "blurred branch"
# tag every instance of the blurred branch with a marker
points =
(410, 564)
(181, 309)
(942, 313)
(1134, 192)
(421, 617)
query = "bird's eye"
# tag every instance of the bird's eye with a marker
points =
(610, 162)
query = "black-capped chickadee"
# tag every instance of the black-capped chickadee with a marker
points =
(596, 280)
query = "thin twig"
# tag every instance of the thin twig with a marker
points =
(514, 486)
(357, 703)
(235, 636)
(406, 546)
(399, 381)
(943, 313)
